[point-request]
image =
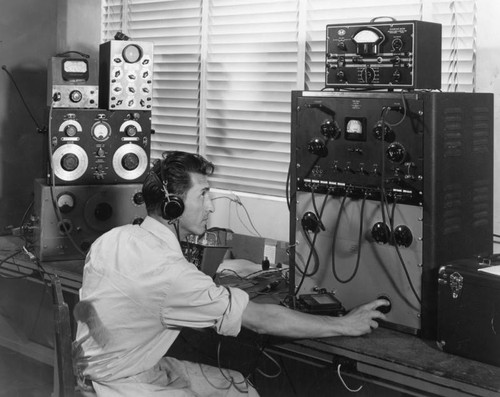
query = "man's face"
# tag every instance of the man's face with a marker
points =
(197, 207)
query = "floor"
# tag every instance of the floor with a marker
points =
(21, 376)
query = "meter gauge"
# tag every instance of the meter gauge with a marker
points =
(74, 69)
(355, 128)
(101, 131)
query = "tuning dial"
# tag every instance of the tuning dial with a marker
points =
(131, 130)
(69, 162)
(70, 130)
(367, 75)
(330, 129)
(317, 146)
(397, 44)
(130, 161)
(396, 153)
(403, 236)
(381, 233)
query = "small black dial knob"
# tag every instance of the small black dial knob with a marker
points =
(381, 233)
(383, 131)
(330, 129)
(396, 152)
(310, 222)
(403, 236)
(317, 146)
(138, 198)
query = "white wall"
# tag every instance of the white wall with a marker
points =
(270, 216)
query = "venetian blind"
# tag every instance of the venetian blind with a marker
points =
(224, 70)
(174, 26)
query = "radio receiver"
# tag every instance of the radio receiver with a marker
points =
(99, 146)
(384, 55)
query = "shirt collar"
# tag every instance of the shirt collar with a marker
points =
(161, 231)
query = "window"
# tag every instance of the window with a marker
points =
(224, 70)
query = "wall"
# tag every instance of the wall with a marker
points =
(27, 40)
(26, 46)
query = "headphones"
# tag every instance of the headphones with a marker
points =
(172, 205)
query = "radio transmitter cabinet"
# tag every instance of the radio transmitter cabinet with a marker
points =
(385, 188)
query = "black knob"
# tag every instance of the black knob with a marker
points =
(75, 96)
(381, 233)
(130, 161)
(383, 132)
(310, 222)
(69, 162)
(396, 152)
(65, 227)
(330, 129)
(397, 44)
(367, 75)
(403, 236)
(385, 308)
(317, 146)
(70, 130)
(138, 198)
(131, 130)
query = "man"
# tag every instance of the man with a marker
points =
(138, 291)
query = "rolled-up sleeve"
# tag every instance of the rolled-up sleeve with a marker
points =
(194, 300)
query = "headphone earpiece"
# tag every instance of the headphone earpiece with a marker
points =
(172, 206)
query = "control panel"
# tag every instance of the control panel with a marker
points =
(100, 146)
(358, 144)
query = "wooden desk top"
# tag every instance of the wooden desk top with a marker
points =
(403, 358)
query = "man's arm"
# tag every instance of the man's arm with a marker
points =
(272, 319)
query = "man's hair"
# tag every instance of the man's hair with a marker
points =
(173, 169)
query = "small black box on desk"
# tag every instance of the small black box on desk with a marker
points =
(469, 310)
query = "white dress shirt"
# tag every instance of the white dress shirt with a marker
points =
(138, 291)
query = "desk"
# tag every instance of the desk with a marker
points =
(395, 360)
(401, 362)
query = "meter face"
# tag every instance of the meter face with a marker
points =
(75, 69)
